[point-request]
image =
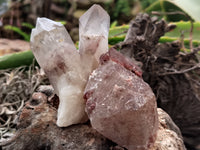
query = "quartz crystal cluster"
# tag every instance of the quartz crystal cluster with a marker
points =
(120, 105)
(67, 68)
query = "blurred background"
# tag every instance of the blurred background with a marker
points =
(18, 17)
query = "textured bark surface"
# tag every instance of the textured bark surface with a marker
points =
(37, 130)
(172, 75)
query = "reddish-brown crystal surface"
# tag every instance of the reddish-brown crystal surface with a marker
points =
(121, 106)
(115, 56)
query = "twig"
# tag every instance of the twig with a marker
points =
(16, 87)
(191, 36)
(171, 13)
(182, 41)
(184, 14)
(181, 71)
(195, 50)
(121, 33)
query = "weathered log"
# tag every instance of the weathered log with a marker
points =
(172, 75)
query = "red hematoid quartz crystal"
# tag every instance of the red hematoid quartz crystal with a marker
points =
(120, 105)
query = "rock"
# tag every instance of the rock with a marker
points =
(120, 105)
(67, 69)
(169, 135)
(37, 129)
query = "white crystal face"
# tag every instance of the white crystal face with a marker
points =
(94, 22)
(93, 34)
(44, 24)
(68, 69)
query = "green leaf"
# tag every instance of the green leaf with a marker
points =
(62, 22)
(184, 27)
(146, 3)
(191, 7)
(113, 24)
(28, 25)
(117, 34)
(19, 31)
(16, 59)
(164, 7)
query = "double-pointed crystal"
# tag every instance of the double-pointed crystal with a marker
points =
(120, 105)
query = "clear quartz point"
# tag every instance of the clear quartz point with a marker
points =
(66, 68)
(93, 34)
